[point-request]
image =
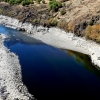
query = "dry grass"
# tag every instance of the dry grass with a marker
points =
(93, 32)
(62, 24)
(1, 11)
(71, 26)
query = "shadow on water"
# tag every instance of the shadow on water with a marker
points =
(20, 38)
(15, 36)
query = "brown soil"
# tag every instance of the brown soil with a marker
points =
(79, 14)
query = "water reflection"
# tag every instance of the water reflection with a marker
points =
(86, 61)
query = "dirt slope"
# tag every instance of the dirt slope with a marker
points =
(79, 14)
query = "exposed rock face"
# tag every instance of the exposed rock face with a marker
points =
(26, 13)
(11, 85)
(16, 24)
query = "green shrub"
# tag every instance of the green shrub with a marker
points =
(90, 23)
(23, 2)
(35, 21)
(18, 1)
(53, 22)
(54, 5)
(12, 1)
(6, 0)
(38, 1)
(62, 12)
(43, 1)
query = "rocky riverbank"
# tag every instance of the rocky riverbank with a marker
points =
(11, 85)
(59, 38)
(56, 37)
(16, 24)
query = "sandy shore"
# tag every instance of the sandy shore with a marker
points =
(59, 38)
(11, 85)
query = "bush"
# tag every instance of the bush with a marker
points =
(62, 24)
(93, 32)
(54, 5)
(62, 12)
(23, 2)
(1, 11)
(71, 26)
(98, 39)
(35, 21)
(53, 22)
(42, 22)
(43, 1)
(88, 31)
(38, 1)
(12, 1)
(91, 23)
(26, 2)
(18, 1)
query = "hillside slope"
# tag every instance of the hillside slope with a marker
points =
(81, 16)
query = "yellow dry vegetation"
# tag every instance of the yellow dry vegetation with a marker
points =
(1, 11)
(71, 26)
(93, 32)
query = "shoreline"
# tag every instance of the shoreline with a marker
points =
(10, 67)
(60, 39)
(11, 85)
(56, 37)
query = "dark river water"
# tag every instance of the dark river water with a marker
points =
(51, 73)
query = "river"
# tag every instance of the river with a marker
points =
(51, 73)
